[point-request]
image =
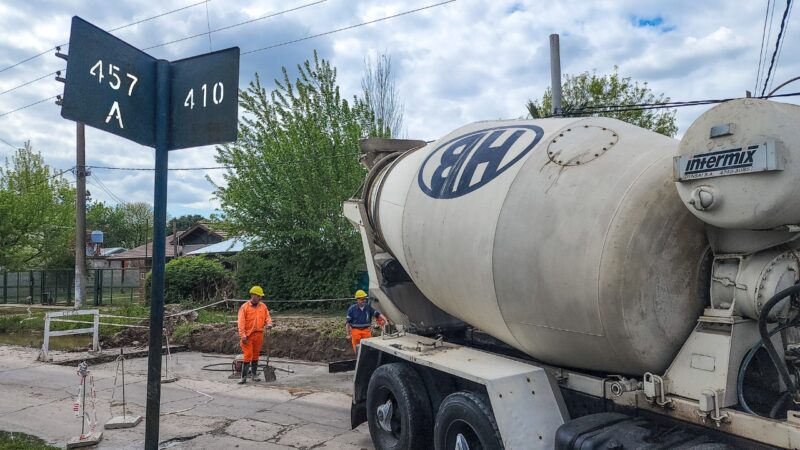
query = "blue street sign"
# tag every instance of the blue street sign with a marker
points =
(110, 84)
(205, 99)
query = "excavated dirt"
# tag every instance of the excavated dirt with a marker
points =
(285, 341)
(293, 337)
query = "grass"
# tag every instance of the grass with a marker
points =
(10, 440)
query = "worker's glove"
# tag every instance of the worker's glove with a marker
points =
(380, 321)
(244, 339)
(269, 327)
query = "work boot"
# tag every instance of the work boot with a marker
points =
(245, 369)
(255, 371)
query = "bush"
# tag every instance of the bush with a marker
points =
(193, 279)
(286, 275)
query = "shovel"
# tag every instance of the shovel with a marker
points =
(269, 371)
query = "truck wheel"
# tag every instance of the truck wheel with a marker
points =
(398, 409)
(465, 422)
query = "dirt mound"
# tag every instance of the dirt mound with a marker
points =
(286, 342)
(130, 336)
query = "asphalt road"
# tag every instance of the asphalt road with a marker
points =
(202, 409)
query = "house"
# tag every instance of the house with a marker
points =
(196, 237)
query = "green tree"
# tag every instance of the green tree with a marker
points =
(589, 89)
(127, 225)
(295, 163)
(380, 95)
(184, 222)
(37, 214)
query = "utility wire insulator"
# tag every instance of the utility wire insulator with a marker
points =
(59, 100)
(63, 56)
(59, 78)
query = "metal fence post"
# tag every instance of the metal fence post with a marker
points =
(46, 341)
(30, 285)
(5, 287)
(96, 335)
(111, 288)
(43, 280)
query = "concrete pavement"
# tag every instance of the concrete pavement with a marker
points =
(203, 409)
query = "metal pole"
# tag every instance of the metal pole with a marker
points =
(159, 249)
(122, 356)
(80, 216)
(555, 73)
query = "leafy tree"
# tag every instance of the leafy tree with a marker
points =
(295, 163)
(589, 89)
(381, 97)
(184, 222)
(127, 225)
(37, 214)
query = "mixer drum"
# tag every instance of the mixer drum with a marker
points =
(564, 238)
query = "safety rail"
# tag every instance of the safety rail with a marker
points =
(54, 317)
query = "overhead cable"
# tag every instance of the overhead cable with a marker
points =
(18, 63)
(350, 27)
(777, 46)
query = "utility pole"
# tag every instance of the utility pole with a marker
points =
(555, 74)
(80, 215)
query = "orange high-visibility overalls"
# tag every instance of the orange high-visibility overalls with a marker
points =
(252, 320)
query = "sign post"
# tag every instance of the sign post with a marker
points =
(115, 87)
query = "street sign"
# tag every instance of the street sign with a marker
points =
(205, 99)
(110, 84)
(113, 86)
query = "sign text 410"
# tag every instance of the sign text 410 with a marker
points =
(217, 94)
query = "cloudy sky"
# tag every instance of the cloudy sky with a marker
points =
(456, 63)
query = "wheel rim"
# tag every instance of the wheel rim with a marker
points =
(385, 416)
(461, 436)
(461, 442)
(388, 415)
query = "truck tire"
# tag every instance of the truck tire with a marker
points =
(398, 409)
(465, 421)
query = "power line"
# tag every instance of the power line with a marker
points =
(32, 81)
(9, 144)
(777, 45)
(761, 49)
(46, 180)
(346, 28)
(178, 40)
(18, 63)
(300, 160)
(99, 183)
(780, 48)
(28, 106)
(662, 105)
(234, 25)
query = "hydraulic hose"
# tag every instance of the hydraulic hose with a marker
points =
(746, 363)
(780, 364)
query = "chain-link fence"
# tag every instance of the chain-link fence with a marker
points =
(54, 287)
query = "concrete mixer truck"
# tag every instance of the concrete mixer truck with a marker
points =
(583, 283)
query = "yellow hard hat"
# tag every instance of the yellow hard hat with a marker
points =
(360, 293)
(257, 290)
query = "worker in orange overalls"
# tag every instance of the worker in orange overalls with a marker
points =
(359, 319)
(253, 320)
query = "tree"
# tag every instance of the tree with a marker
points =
(127, 225)
(295, 163)
(37, 214)
(589, 89)
(380, 95)
(184, 222)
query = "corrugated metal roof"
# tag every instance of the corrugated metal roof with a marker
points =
(233, 245)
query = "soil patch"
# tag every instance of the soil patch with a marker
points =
(285, 342)
(301, 337)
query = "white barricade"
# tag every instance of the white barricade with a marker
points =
(53, 317)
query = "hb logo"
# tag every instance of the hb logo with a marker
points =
(468, 162)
